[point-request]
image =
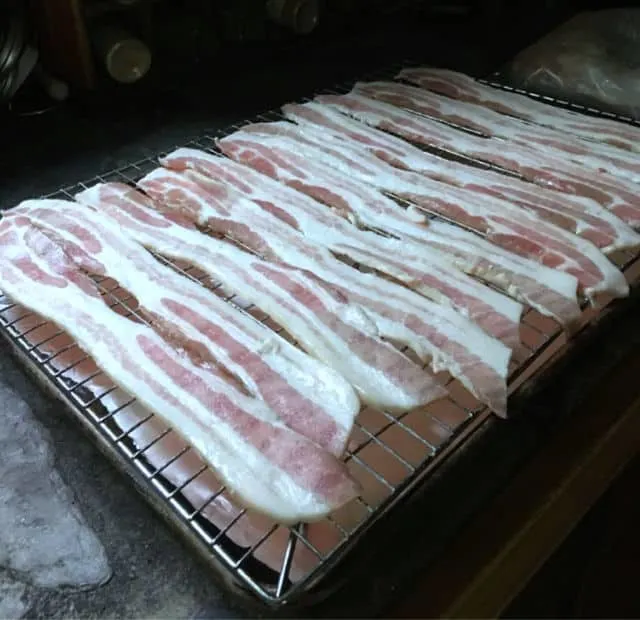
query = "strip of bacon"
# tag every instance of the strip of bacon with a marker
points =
(307, 166)
(324, 323)
(594, 156)
(268, 466)
(435, 333)
(542, 169)
(581, 216)
(442, 282)
(309, 397)
(465, 88)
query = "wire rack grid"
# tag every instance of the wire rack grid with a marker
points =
(389, 454)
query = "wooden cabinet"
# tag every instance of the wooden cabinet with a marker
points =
(63, 40)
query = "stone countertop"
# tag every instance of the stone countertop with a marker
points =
(152, 573)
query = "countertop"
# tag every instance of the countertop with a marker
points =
(150, 572)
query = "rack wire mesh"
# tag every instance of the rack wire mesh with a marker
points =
(389, 454)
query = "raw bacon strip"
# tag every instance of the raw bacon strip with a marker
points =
(549, 291)
(495, 313)
(465, 88)
(505, 225)
(269, 467)
(582, 216)
(597, 157)
(310, 398)
(406, 261)
(338, 333)
(435, 333)
(542, 169)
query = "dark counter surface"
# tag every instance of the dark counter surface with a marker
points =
(153, 574)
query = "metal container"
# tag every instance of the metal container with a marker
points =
(301, 16)
(126, 58)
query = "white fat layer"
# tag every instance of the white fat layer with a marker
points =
(563, 204)
(327, 229)
(380, 307)
(600, 156)
(136, 270)
(367, 200)
(465, 241)
(379, 114)
(390, 307)
(253, 479)
(390, 217)
(583, 126)
(612, 281)
(371, 294)
(188, 153)
(455, 173)
(236, 269)
(375, 385)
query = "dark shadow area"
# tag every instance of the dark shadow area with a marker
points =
(184, 95)
(593, 574)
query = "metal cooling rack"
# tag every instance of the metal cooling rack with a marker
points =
(498, 80)
(390, 454)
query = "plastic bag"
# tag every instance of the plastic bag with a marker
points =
(592, 59)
